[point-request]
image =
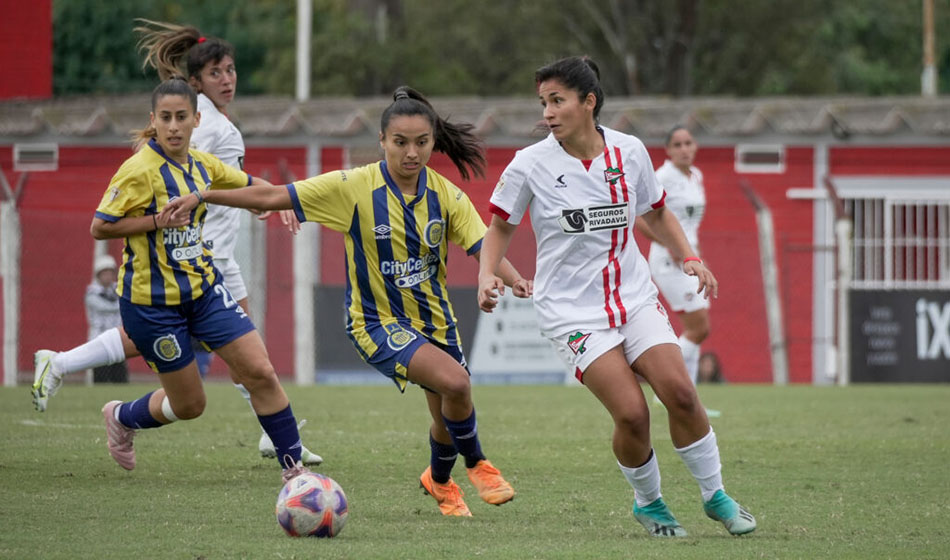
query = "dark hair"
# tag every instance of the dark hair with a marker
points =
(677, 127)
(455, 140)
(174, 86)
(166, 44)
(579, 73)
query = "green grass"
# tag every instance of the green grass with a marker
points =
(860, 472)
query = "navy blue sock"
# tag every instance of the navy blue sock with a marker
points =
(135, 414)
(442, 460)
(282, 430)
(465, 437)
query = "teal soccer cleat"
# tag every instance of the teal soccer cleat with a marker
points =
(727, 511)
(657, 519)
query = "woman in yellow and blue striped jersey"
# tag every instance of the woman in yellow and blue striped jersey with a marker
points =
(397, 216)
(170, 291)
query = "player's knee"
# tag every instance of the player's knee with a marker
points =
(456, 388)
(632, 420)
(681, 399)
(190, 408)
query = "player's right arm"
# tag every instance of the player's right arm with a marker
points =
(494, 246)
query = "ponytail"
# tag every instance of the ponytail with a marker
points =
(166, 45)
(455, 140)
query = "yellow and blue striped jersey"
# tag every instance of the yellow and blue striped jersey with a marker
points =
(396, 246)
(168, 266)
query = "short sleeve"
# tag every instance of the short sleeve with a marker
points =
(328, 199)
(512, 194)
(224, 176)
(650, 194)
(129, 194)
(467, 227)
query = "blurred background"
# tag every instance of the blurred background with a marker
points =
(824, 133)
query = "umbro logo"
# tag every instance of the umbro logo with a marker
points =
(383, 231)
(560, 183)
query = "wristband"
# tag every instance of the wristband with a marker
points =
(155, 221)
(200, 198)
(697, 259)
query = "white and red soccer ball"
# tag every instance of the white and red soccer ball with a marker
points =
(311, 505)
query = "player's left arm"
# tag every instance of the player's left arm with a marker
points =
(669, 232)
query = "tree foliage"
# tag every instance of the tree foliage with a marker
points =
(459, 47)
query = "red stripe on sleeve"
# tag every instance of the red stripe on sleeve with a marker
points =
(660, 203)
(499, 212)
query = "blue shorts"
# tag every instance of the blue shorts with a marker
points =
(163, 333)
(396, 346)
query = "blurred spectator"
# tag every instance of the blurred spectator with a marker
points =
(102, 314)
(710, 370)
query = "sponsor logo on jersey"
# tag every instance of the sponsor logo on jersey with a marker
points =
(183, 244)
(576, 342)
(500, 185)
(398, 337)
(432, 233)
(167, 348)
(411, 272)
(113, 194)
(383, 231)
(612, 175)
(560, 183)
(594, 218)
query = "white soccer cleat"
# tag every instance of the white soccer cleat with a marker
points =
(267, 450)
(45, 381)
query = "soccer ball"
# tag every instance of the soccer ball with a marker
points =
(311, 505)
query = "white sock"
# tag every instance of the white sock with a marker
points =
(690, 356)
(103, 350)
(167, 410)
(702, 460)
(645, 480)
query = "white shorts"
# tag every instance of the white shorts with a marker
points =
(647, 326)
(231, 275)
(678, 288)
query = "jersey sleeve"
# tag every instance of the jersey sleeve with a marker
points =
(512, 194)
(223, 176)
(129, 194)
(650, 193)
(466, 226)
(328, 199)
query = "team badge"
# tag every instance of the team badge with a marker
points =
(167, 348)
(500, 185)
(399, 337)
(612, 175)
(432, 233)
(577, 342)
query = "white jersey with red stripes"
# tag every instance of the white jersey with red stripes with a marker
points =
(590, 273)
(686, 198)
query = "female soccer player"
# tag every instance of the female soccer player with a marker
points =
(209, 65)
(170, 291)
(595, 301)
(686, 199)
(398, 216)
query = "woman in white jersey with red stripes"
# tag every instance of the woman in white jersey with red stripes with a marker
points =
(686, 199)
(209, 64)
(583, 186)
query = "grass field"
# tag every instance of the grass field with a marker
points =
(861, 472)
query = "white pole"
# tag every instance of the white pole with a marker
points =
(773, 304)
(10, 270)
(306, 259)
(304, 31)
(843, 241)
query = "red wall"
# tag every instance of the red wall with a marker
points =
(26, 49)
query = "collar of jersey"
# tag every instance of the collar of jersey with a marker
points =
(153, 144)
(420, 187)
